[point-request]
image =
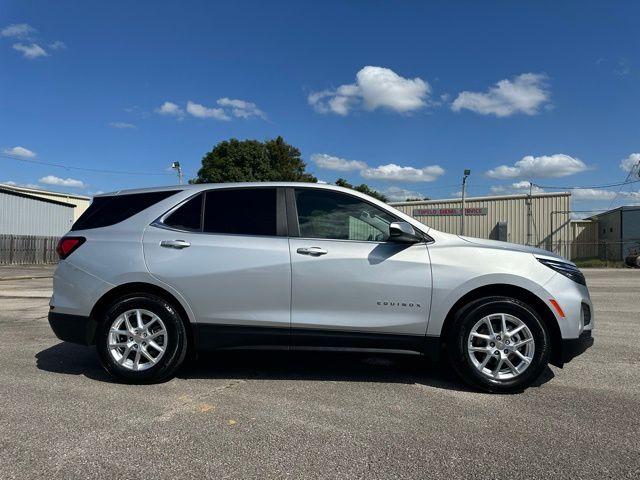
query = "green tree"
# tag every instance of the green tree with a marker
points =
(416, 199)
(362, 188)
(253, 161)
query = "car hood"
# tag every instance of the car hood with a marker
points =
(513, 247)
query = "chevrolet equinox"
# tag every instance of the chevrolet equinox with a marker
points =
(146, 275)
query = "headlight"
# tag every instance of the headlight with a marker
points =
(566, 269)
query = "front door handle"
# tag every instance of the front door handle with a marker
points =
(179, 244)
(313, 251)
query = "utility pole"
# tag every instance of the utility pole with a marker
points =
(464, 191)
(176, 166)
(529, 215)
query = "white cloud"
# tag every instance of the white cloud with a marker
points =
(170, 109)
(375, 87)
(628, 163)
(11, 183)
(592, 194)
(525, 93)
(61, 182)
(19, 152)
(123, 125)
(228, 108)
(516, 187)
(578, 194)
(329, 162)
(201, 111)
(623, 68)
(30, 51)
(241, 108)
(58, 45)
(403, 174)
(599, 194)
(17, 30)
(398, 194)
(558, 165)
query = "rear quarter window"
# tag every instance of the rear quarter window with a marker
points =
(106, 211)
(187, 216)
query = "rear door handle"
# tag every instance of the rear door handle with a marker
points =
(179, 244)
(313, 251)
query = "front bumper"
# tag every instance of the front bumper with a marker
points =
(572, 347)
(73, 328)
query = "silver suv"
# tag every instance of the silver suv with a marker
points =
(147, 275)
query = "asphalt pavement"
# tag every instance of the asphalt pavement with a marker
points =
(315, 415)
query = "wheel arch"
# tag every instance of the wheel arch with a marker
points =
(519, 293)
(133, 288)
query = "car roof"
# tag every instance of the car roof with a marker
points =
(209, 186)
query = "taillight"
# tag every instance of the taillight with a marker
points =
(68, 245)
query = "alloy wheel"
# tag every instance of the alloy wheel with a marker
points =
(501, 346)
(137, 339)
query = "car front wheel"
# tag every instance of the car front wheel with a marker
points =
(499, 344)
(141, 339)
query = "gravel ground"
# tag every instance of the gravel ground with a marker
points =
(315, 415)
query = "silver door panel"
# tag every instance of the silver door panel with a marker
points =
(227, 279)
(360, 286)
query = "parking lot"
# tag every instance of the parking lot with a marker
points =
(313, 415)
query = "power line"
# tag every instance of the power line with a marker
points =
(631, 170)
(83, 169)
(595, 187)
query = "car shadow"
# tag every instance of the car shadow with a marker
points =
(71, 359)
(332, 366)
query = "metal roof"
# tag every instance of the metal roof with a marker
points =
(485, 198)
(622, 208)
(18, 188)
(12, 191)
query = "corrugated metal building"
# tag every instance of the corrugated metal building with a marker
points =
(25, 214)
(503, 218)
(619, 232)
(585, 239)
(80, 202)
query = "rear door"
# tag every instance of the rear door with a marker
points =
(226, 252)
(351, 285)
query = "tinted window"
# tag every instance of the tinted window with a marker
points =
(326, 214)
(187, 216)
(243, 211)
(105, 211)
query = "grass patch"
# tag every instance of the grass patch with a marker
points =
(598, 263)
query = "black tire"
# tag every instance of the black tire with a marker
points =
(175, 349)
(457, 345)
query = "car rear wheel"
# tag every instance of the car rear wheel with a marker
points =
(141, 339)
(499, 344)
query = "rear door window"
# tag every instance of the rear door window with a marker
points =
(243, 211)
(106, 211)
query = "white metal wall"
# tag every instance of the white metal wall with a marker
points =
(81, 202)
(28, 216)
(550, 218)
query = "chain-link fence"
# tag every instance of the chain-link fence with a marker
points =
(605, 250)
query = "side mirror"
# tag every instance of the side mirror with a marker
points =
(403, 232)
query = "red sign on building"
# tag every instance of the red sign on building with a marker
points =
(448, 212)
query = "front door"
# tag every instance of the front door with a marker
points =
(349, 281)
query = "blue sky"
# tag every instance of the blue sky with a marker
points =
(401, 95)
